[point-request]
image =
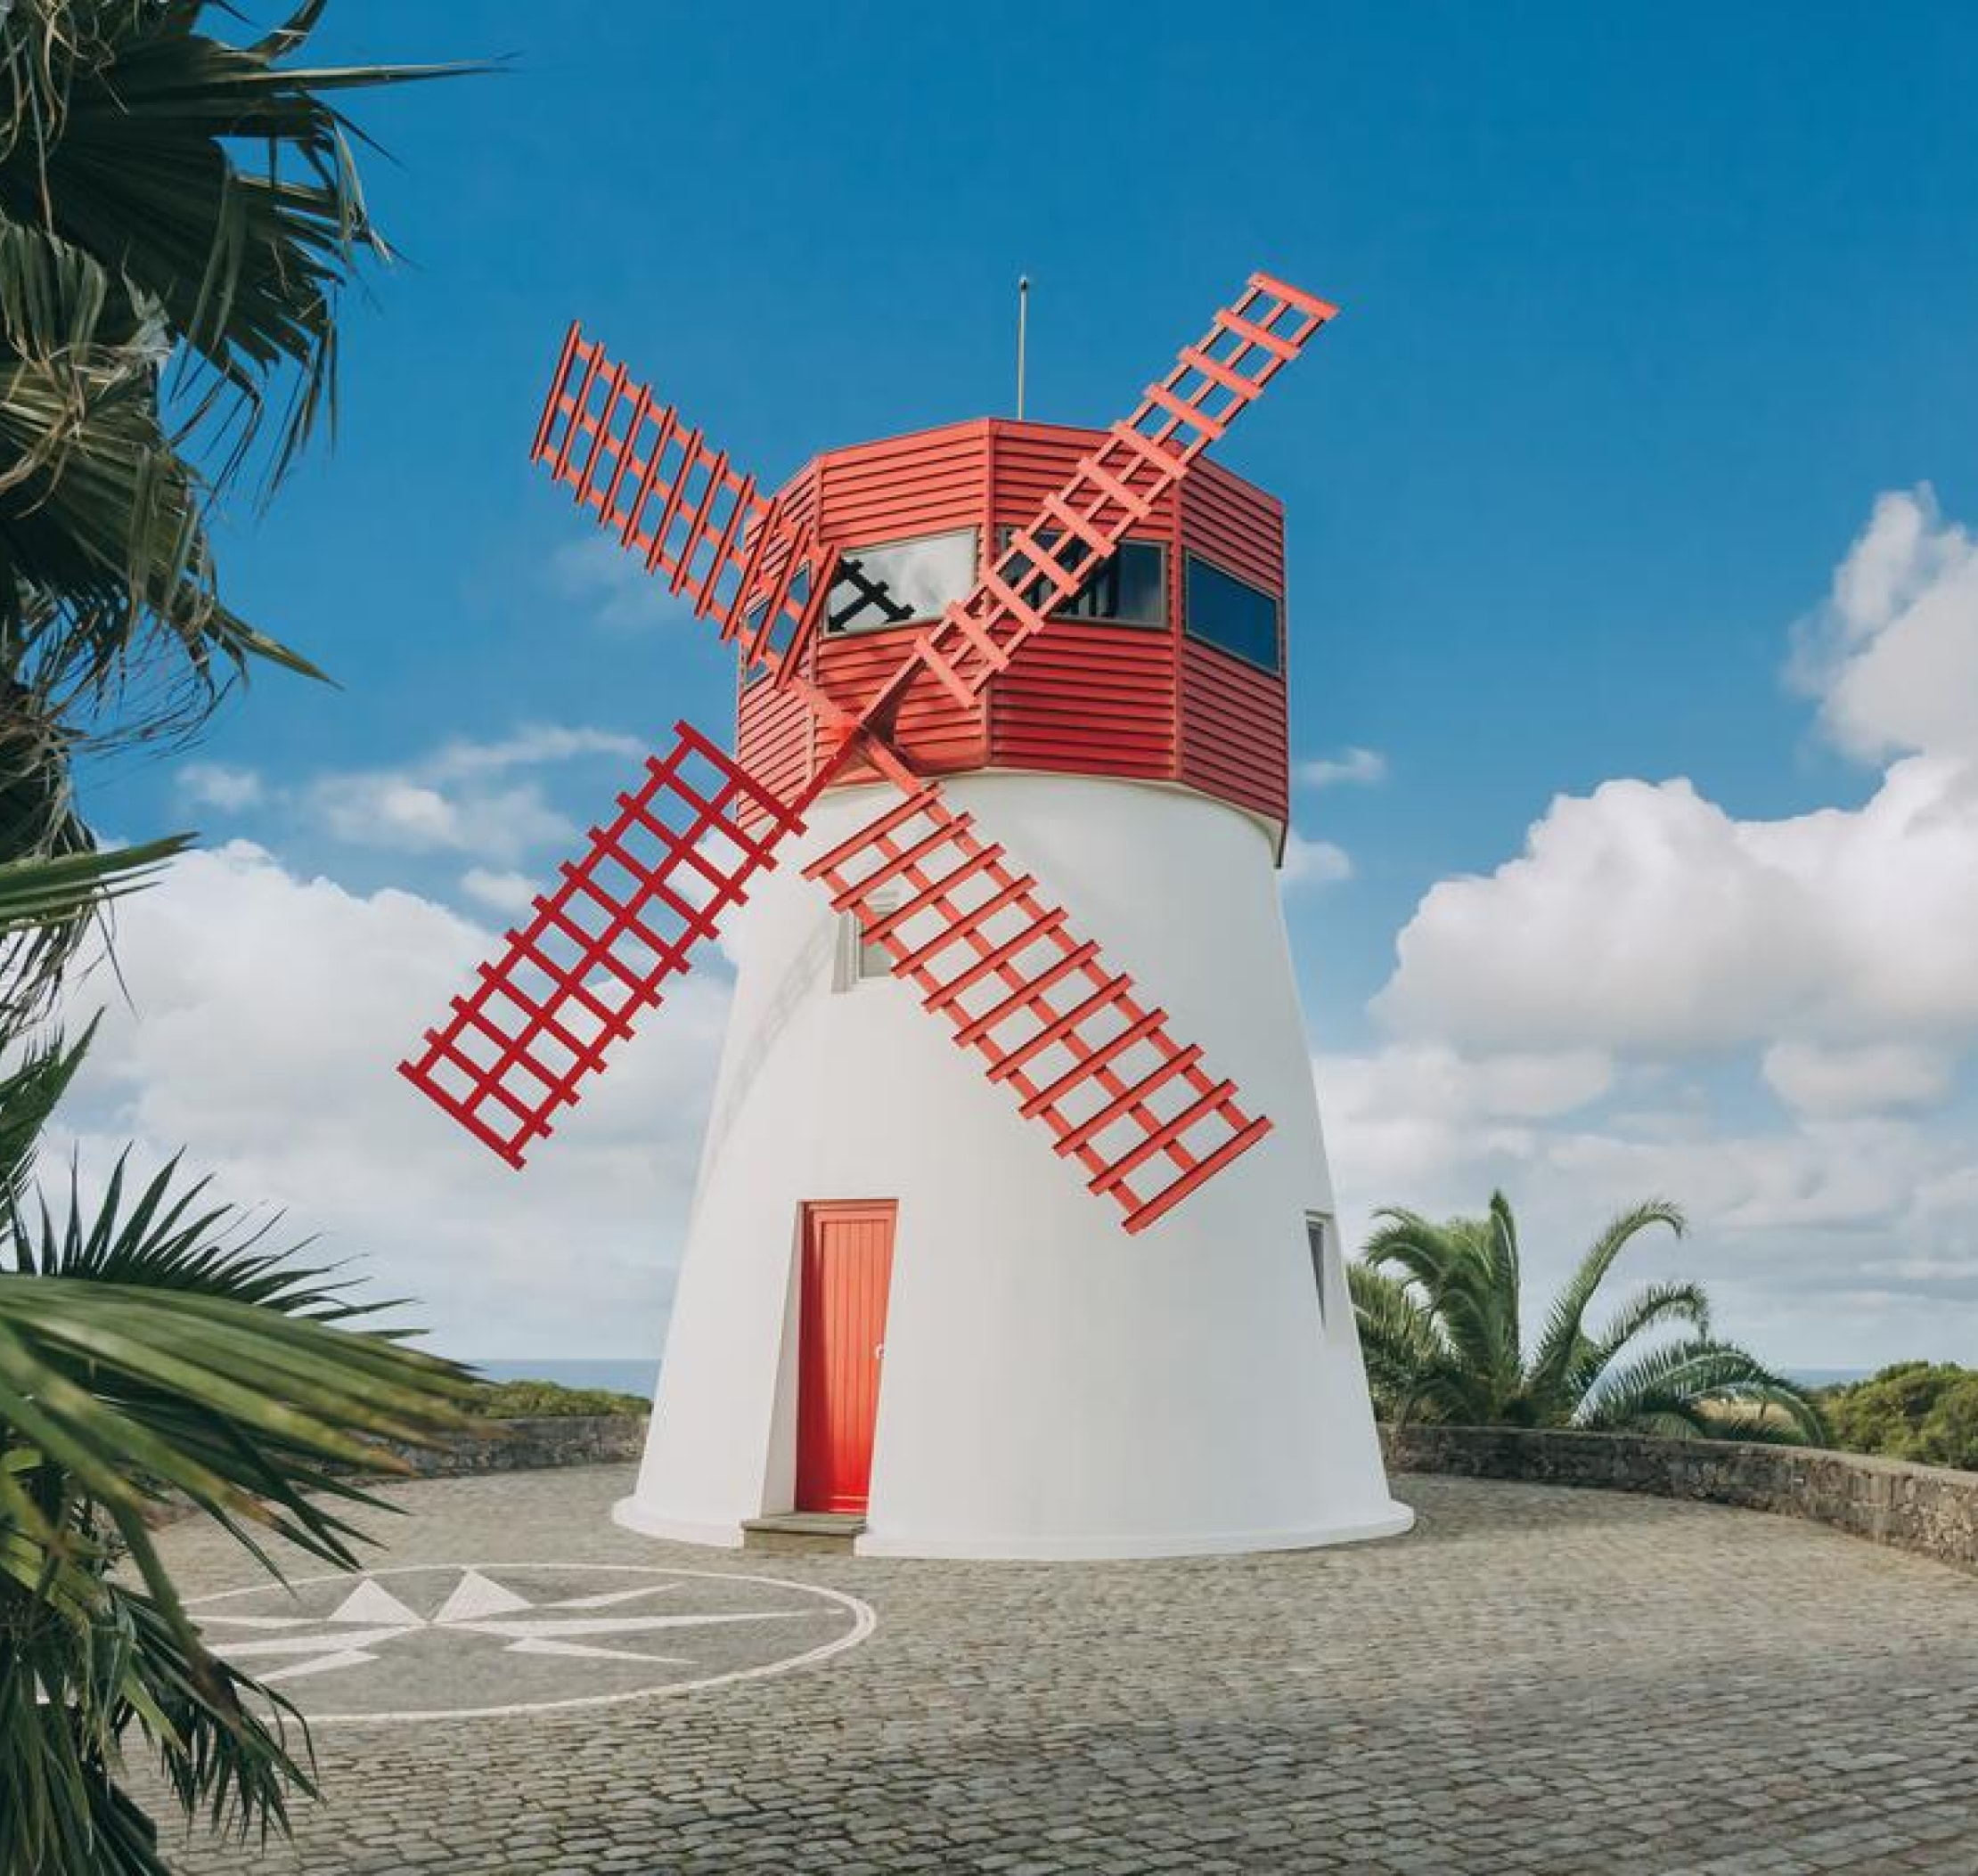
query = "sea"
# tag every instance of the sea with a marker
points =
(624, 1374)
(636, 1374)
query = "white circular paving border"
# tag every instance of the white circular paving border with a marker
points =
(863, 1620)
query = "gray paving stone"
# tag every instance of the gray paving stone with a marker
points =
(1536, 1683)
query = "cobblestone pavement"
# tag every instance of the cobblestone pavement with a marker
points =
(1537, 1681)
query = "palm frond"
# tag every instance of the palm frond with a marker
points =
(134, 158)
(1412, 1372)
(225, 1747)
(46, 908)
(153, 1348)
(36, 893)
(1655, 1305)
(1563, 1344)
(170, 1240)
(228, 1755)
(28, 1091)
(1503, 1278)
(1459, 1265)
(1685, 1378)
(105, 560)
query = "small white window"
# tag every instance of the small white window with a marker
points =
(874, 960)
(1319, 1239)
(859, 958)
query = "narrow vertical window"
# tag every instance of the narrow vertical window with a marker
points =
(1318, 1238)
(874, 960)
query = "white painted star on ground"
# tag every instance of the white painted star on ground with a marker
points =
(371, 1616)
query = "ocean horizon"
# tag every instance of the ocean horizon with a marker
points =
(623, 1374)
(636, 1374)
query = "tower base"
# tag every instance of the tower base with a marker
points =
(1015, 1377)
(631, 1514)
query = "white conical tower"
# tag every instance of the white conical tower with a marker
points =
(897, 1303)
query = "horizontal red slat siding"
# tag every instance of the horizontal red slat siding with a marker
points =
(773, 740)
(1096, 698)
(933, 486)
(1235, 739)
(1239, 527)
(936, 733)
(1082, 698)
(772, 729)
(1029, 463)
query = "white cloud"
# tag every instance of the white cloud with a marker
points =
(463, 797)
(218, 785)
(614, 584)
(1644, 918)
(1893, 657)
(1351, 767)
(1433, 1081)
(501, 892)
(528, 747)
(268, 1011)
(384, 810)
(1312, 862)
(1830, 1243)
(1871, 1080)
(1832, 956)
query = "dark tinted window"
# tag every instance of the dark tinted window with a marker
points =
(1130, 589)
(1225, 611)
(900, 582)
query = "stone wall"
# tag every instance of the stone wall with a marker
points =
(1923, 1508)
(520, 1446)
(496, 1446)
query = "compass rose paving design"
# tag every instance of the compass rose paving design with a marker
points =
(462, 1641)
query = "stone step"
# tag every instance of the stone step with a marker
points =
(796, 1533)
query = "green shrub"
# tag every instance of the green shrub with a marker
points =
(535, 1399)
(1923, 1411)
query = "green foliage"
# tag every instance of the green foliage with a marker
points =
(1438, 1307)
(1925, 1412)
(151, 1350)
(537, 1400)
(177, 217)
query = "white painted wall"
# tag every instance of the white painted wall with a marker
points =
(1052, 1387)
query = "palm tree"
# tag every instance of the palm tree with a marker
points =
(1438, 1307)
(152, 1349)
(177, 217)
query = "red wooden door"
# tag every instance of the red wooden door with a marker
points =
(841, 1336)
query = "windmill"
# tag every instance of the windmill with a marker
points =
(869, 697)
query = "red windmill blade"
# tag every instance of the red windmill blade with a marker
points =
(1082, 1054)
(1004, 969)
(1118, 484)
(652, 885)
(680, 504)
(1085, 1058)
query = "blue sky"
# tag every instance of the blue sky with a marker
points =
(1643, 310)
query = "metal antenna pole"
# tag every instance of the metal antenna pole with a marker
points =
(1022, 326)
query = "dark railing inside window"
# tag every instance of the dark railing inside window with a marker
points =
(1130, 589)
